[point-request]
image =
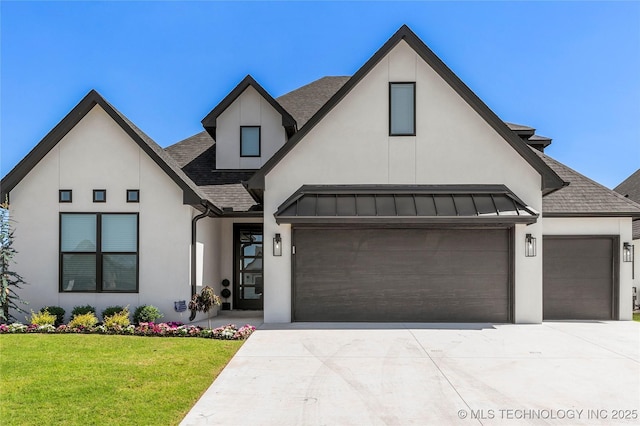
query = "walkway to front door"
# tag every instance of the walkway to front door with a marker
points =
(247, 284)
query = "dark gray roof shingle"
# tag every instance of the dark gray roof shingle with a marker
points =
(630, 187)
(583, 197)
(304, 102)
(196, 156)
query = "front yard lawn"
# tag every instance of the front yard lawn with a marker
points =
(636, 316)
(76, 379)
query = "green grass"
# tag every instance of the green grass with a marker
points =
(636, 317)
(100, 380)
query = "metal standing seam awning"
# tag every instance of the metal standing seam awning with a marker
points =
(405, 204)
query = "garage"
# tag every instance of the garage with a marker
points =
(579, 281)
(403, 253)
(406, 275)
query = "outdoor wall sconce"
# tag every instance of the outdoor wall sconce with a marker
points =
(277, 245)
(627, 252)
(529, 246)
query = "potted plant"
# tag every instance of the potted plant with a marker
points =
(204, 302)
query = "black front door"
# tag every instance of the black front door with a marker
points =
(247, 284)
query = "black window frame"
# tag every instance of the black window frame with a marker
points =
(98, 191)
(412, 83)
(259, 141)
(133, 191)
(99, 254)
(64, 191)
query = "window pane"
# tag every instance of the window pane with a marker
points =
(119, 272)
(250, 140)
(402, 104)
(78, 232)
(119, 233)
(79, 272)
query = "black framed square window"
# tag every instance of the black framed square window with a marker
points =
(249, 141)
(99, 195)
(133, 195)
(402, 109)
(99, 252)
(65, 196)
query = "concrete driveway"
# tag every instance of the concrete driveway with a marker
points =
(565, 373)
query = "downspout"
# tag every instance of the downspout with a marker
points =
(194, 222)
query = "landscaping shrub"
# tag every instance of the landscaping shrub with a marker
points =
(146, 313)
(80, 310)
(57, 311)
(118, 320)
(42, 318)
(87, 320)
(109, 311)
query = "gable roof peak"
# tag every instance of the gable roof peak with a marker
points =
(550, 180)
(191, 193)
(210, 121)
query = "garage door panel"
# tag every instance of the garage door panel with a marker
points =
(578, 278)
(401, 275)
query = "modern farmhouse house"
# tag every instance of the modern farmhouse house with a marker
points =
(395, 194)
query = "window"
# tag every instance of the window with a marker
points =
(99, 252)
(249, 141)
(65, 196)
(402, 109)
(133, 195)
(99, 195)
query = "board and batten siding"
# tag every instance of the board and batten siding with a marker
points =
(351, 145)
(98, 154)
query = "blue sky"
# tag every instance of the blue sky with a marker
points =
(569, 69)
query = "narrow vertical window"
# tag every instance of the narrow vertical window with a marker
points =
(402, 109)
(65, 196)
(133, 195)
(249, 141)
(99, 195)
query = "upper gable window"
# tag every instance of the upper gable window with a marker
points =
(249, 141)
(402, 109)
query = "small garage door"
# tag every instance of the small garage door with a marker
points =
(408, 275)
(578, 278)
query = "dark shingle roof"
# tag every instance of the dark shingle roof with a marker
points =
(583, 197)
(305, 101)
(630, 187)
(196, 156)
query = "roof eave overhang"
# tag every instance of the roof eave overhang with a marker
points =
(408, 220)
(633, 215)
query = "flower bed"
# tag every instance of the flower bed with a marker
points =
(164, 329)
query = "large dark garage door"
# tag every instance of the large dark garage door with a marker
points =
(578, 278)
(410, 275)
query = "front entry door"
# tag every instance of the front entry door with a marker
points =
(248, 249)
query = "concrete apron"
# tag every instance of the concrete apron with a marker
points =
(565, 373)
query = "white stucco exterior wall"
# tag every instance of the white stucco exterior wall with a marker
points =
(601, 226)
(249, 109)
(98, 154)
(453, 145)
